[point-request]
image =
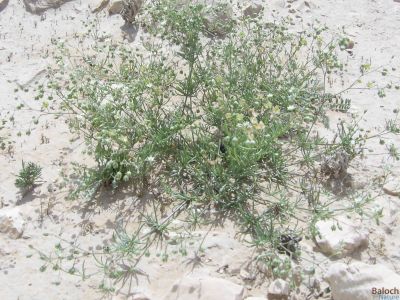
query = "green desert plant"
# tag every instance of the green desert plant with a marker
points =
(225, 124)
(28, 176)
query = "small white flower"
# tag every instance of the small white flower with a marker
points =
(107, 100)
(270, 96)
(150, 159)
(291, 108)
(117, 86)
(246, 125)
(250, 142)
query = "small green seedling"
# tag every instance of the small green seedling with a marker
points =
(28, 176)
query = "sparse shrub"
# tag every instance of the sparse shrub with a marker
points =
(225, 124)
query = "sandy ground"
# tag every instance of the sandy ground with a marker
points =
(25, 51)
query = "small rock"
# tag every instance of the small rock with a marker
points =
(263, 268)
(306, 6)
(39, 6)
(340, 242)
(140, 296)
(253, 9)
(219, 19)
(350, 45)
(278, 290)
(131, 10)
(116, 7)
(315, 284)
(392, 188)
(51, 188)
(246, 275)
(205, 288)
(12, 222)
(102, 5)
(357, 281)
(297, 275)
(3, 4)
(220, 242)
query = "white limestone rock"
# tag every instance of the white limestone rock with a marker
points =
(140, 296)
(219, 19)
(102, 5)
(278, 290)
(253, 9)
(3, 4)
(116, 7)
(392, 187)
(11, 222)
(39, 6)
(340, 242)
(357, 281)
